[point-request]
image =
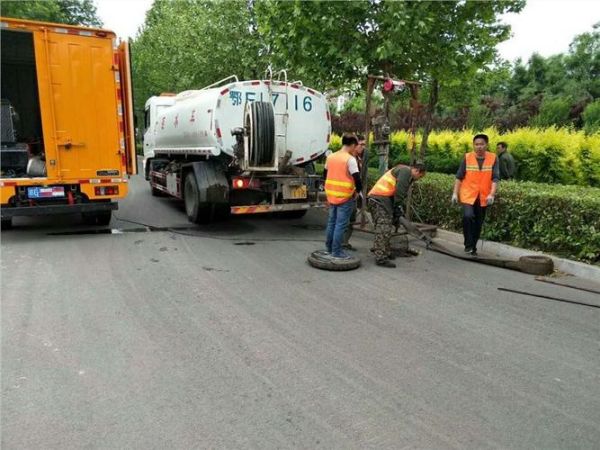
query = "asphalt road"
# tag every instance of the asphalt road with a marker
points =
(223, 337)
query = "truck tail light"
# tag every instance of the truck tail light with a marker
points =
(245, 183)
(106, 190)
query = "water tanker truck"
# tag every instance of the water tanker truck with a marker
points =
(237, 147)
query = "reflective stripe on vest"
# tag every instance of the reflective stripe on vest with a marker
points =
(477, 182)
(385, 186)
(339, 185)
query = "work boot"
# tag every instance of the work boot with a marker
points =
(468, 250)
(391, 257)
(386, 263)
(474, 252)
(348, 246)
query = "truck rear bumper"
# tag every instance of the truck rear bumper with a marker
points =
(46, 210)
(257, 209)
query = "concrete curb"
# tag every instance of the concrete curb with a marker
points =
(578, 269)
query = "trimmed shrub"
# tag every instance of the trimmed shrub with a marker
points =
(549, 155)
(564, 220)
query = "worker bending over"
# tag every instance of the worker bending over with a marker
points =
(386, 202)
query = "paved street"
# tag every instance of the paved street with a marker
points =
(222, 336)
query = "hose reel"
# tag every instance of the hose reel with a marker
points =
(259, 126)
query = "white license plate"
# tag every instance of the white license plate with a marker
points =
(45, 192)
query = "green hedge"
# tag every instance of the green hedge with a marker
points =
(564, 220)
(548, 155)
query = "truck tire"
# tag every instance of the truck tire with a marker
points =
(7, 223)
(323, 261)
(536, 265)
(196, 213)
(97, 218)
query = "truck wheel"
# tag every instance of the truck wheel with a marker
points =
(97, 218)
(191, 198)
(7, 223)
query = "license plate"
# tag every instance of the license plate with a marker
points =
(45, 192)
(298, 192)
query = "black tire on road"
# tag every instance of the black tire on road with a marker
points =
(7, 223)
(191, 199)
(536, 265)
(319, 260)
(97, 218)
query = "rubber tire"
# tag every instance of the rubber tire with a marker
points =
(318, 261)
(7, 224)
(536, 265)
(191, 199)
(97, 218)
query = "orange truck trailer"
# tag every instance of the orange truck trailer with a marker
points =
(68, 136)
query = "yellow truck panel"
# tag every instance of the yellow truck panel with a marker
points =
(86, 122)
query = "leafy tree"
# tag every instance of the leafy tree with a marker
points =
(337, 43)
(188, 44)
(72, 12)
(591, 117)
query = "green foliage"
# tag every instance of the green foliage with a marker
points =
(188, 44)
(564, 220)
(553, 111)
(333, 44)
(72, 12)
(551, 155)
(591, 117)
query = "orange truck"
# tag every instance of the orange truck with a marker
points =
(68, 136)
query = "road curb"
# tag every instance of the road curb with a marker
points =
(576, 268)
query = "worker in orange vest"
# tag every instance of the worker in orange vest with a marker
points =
(386, 200)
(342, 181)
(475, 188)
(359, 159)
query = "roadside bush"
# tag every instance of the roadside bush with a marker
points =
(564, 220)
(549, 155)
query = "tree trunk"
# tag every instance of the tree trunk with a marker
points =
(433, 99)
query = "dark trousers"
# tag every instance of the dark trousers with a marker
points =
(473, 217)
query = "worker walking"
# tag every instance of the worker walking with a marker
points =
(342, 181)
(386, 203)
(475, 188)
(506, 162)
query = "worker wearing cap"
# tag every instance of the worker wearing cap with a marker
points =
(475, 188)
(386, 202)
(342, 181)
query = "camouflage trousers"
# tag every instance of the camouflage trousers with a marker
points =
(384, 228)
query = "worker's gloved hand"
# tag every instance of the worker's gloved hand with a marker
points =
(490, 200)
(454, 198)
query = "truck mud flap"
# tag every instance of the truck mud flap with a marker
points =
(47, 210)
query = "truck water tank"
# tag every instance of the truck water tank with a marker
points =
(200, 121)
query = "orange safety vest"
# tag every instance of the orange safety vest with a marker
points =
(339, 185)
(477, 182)
(385, 186)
